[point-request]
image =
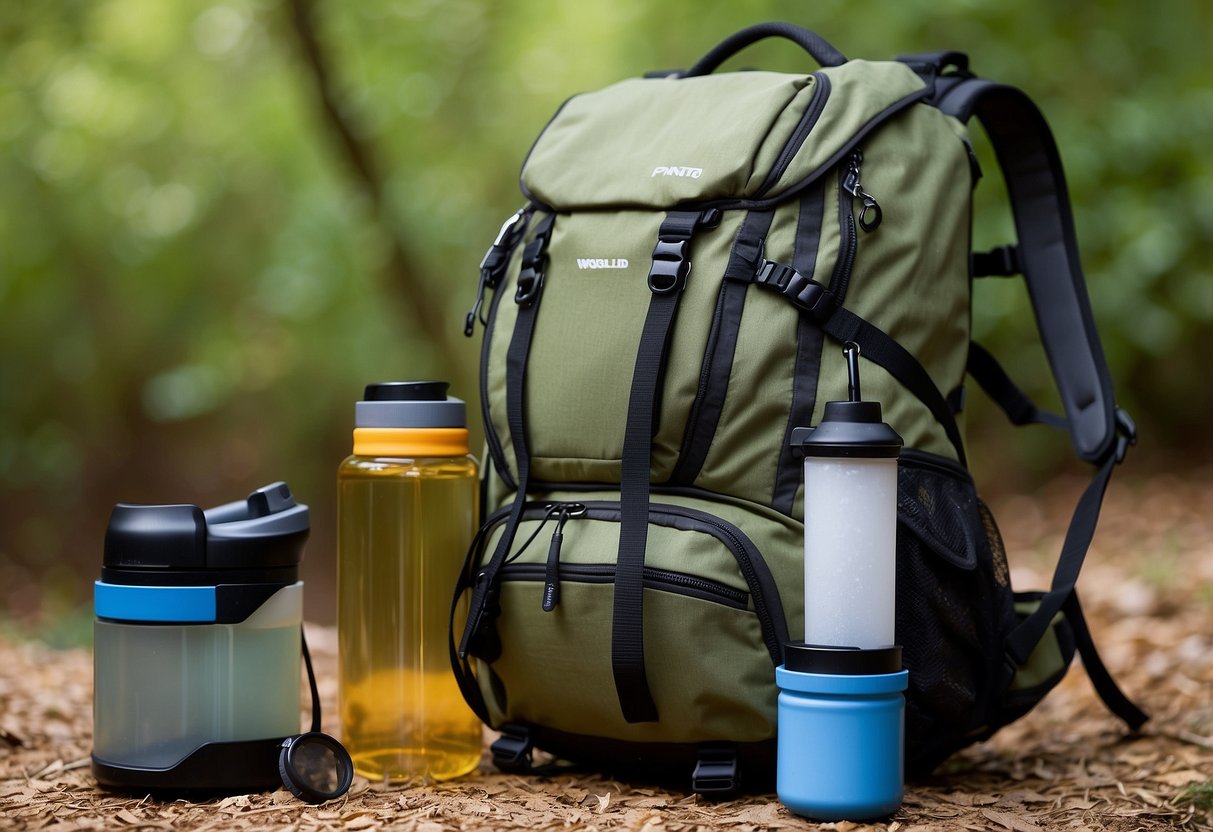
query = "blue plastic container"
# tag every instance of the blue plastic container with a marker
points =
(841, 735)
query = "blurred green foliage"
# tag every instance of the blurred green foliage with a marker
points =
(198, 271)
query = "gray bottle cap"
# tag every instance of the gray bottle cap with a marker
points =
(409, 404)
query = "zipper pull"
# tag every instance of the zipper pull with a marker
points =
(551, 582)
(871, 215)
(492, 267)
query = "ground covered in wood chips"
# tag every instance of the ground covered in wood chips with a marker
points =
(1148, 591)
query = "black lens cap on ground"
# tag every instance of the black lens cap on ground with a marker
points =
(315, 767)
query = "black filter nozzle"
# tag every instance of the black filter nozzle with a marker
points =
(406, 391)
(852, 428)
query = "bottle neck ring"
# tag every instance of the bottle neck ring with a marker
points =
(410, 442)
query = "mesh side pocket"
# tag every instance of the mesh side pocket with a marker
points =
(954, 606)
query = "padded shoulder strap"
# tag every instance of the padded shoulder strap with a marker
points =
(1048, 252)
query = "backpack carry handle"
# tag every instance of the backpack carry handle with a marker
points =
(810, 42)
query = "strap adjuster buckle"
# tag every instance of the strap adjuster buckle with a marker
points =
(512, 750)
(716, 770)
(804, 292)
(1126, 434)
(1000, 261)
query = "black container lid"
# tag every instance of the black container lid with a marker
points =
(258, 539)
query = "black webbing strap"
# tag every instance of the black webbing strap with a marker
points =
(722, 345)
(880, 348)
(1111, 694)
(993, 379)
(789, 472)
(874, 344)
(1024, 638)
(1061, 595)
(667, 277)
(1047, 253)
(461, 666)
(530, 287)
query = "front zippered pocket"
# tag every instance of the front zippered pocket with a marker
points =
(760, 585)
(713, 619)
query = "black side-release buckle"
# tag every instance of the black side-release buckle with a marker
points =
(804, 292)
(716, 771)
(512, 750)
(534, 261)
(670, 267)
(1000, 261)
(1126, 434)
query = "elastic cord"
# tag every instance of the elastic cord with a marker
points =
(311, 681)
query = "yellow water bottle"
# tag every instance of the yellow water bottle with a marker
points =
(406, 511)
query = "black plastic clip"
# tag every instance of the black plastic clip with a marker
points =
(1000, 261)
(670, 267)
(493, 266)
(716, 770)
(512, 750)
(530, 281)
(534, 261)
(1126, 434)
(804, 292)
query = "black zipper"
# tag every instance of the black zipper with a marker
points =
(850, 189)
(604, 573)
(753, 569)
(821, 93)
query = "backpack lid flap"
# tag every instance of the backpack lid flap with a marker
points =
(738, 136)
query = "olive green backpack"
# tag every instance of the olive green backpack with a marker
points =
(668, 307)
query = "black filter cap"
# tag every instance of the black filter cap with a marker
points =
(265, 531)
(406, 391)
(841, 661)
(853, 428)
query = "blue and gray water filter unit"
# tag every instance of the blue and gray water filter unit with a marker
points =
(841, 702)
(197, 644)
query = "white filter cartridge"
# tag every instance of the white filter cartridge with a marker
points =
(850, 549)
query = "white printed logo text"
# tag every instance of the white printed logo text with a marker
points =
(676, 170)
(599, 263)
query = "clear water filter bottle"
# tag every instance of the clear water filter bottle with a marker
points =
(407, 507)
(841, 704)
(197, 643)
